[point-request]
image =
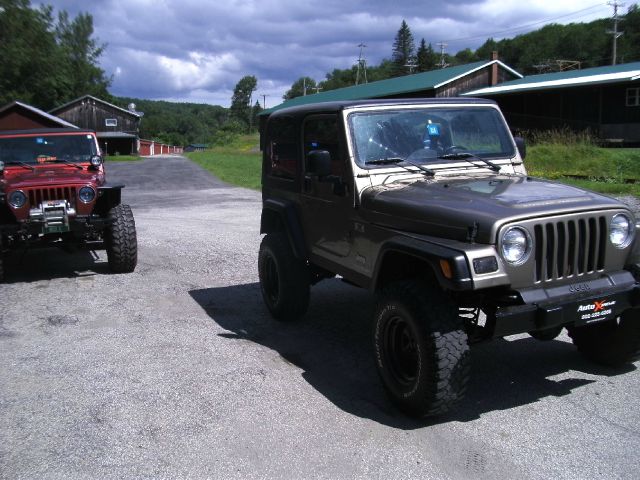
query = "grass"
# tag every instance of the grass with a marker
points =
(238, 163)
(606, 170)
(122, 158)
(555, 156)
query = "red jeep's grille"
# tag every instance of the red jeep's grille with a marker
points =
(568, 248)
(39, 195)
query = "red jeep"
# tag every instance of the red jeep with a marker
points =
(53, 190)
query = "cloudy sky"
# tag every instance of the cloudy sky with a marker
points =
(197, 50)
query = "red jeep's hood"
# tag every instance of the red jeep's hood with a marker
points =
(50, 175)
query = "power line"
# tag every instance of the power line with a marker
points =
(521, 27)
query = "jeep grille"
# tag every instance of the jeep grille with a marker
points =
(38, 195)
(568, 248)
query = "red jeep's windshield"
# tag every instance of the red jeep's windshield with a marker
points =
(47, 148)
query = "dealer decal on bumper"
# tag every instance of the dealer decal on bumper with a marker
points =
(597, 310)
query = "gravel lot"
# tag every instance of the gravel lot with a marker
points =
(177, 371)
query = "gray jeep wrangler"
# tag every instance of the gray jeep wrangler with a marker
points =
(427, 203)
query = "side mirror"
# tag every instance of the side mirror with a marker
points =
(522, 147)
(319, 163)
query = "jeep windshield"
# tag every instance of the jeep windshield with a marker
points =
(47, 148)
(429, 135)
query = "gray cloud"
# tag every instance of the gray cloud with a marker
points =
(190, 50)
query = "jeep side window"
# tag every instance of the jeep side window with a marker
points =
(321, 133)
(281, 148)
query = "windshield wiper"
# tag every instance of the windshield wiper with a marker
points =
(398, 161)
(466, 156)
(68, 162)
(22, 164)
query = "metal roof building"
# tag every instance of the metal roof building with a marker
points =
(116, 128)
(605, 100)
(20, 116)
(446, 82)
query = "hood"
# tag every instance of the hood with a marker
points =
(453, 208)
(50, 175)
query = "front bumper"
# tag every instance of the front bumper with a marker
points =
(577, 304)
(79, 224)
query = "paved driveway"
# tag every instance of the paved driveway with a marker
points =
(177, 371)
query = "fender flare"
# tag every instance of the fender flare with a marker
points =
(430, 253)
(286, 213)
(109, 196)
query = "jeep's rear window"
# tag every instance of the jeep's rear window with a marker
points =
(424, 135)
(47, 148)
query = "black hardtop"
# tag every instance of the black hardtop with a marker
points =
(338, 106)
(44, 131)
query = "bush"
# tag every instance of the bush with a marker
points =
(558, 136)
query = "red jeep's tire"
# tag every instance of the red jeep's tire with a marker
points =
(284, 279)
(121, 241)
(612, 343)
(421, 348)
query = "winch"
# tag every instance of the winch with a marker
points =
(54, 214)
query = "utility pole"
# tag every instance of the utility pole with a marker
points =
(411, 64)
(616, 34)
(264, 101)
(442, 46)
(362, 65)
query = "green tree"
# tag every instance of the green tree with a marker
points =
(302, 86)
(426, 58)
(403, 50)
(81, 53)
(46, 64)
(465, 56)
(241, 99)
(29, 56)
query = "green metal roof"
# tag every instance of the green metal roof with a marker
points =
(392, 86)
(571, 78)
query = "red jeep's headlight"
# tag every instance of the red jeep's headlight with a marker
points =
(17, 199)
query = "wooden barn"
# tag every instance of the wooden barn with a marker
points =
(20, 116)
(603, 100)
(117, 129)
(445, 82)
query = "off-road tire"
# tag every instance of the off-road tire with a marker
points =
(121, 241)
(284, 279)
(421, 348)
(613, 343)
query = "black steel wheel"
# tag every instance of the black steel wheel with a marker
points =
(284, 279)
(121, 241)
(421, 347)
(613, 343)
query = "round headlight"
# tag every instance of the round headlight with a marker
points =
(96, 160)
(515, 245)
(17, 199)
(86, 194)
(620, 230)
